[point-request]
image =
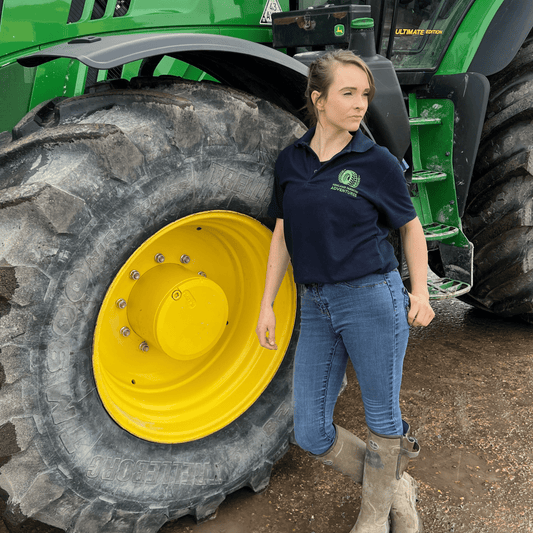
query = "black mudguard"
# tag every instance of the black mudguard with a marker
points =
(504, 37)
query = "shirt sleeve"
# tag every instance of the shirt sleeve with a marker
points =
(275, 209)
(393, 200)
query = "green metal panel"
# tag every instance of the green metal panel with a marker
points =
(130, 70)
(62, 77)
(468, 38)
(16, 85)
(174, 67)
(28, 24)
(434, 199)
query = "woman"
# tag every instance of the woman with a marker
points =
(336, 197)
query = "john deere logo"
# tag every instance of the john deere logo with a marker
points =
(339, 30)
(350, 178)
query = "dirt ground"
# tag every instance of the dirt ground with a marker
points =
(467, 392)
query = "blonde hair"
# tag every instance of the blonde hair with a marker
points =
(321, 73)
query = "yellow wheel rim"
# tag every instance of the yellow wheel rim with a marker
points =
(175, 355)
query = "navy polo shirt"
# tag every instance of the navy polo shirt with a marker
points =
(337, 214)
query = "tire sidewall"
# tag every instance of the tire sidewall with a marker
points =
(94, 454)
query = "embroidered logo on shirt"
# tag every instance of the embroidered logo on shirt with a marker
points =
(349, 180)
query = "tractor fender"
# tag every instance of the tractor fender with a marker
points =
(504, 37)
(248, 66)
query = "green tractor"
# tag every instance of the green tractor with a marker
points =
(135, 173)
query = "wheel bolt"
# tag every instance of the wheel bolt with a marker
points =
(185, 259)
(159, 258)
(144, 346)
(121, 303)
(125, 332)
(134, 275)
(176, 295)
(202, 273)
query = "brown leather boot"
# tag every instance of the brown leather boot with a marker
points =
(385, 461)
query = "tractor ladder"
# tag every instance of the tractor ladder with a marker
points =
(433, 194)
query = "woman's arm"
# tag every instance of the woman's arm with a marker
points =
(278, 261)
(416, 255)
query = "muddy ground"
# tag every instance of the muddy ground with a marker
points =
(468, 394)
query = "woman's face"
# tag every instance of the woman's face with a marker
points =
(347, 100)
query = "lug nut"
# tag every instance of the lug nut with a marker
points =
(121, 303)
(202, 273)
(185, 259)
(134, 275)
(125, 332)
(144, 346)
(159, 258)
(176, 295)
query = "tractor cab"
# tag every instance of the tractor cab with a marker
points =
(413, 34)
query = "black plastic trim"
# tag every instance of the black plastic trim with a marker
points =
(76, 11)
(470, 94)
(504, 37)
(414, 77)
(240, 64)
(98, 9)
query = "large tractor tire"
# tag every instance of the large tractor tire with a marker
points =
(499, 212)
(132, 263)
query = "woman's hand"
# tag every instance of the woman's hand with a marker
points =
(420, 312)
(416, 255)
(278, 260)
(266, 328)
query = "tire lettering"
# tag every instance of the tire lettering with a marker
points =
(270, 427)
(110, 469)
(260, 190)
(64, 320)
(94, 467)
(166, 470)
(278, 418)
(140, 471)
(73, 439)
(62, 411)
(153, 472)
(57, 356)
(125, 470)
(76, 286)
(183, 477)
(100, 250)
(238, 182)
(283, 410)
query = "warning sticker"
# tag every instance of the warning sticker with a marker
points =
(272, 6)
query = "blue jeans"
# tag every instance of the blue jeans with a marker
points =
(365, 320)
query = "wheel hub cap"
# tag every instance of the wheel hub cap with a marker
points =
(181, 315)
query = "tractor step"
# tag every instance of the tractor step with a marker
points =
(437, 232)
(428, 176)
(421, 121)
(443, 288)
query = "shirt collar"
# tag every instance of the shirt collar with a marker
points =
(359, 143)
